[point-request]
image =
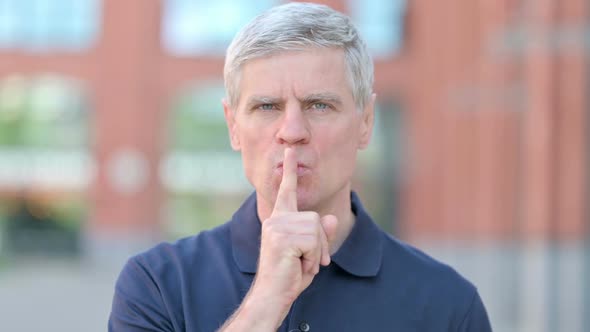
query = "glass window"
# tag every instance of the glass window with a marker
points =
(381, 23)
(199, 27)
(49, 25)
(202, 175)
(379, 167)
(45, 163)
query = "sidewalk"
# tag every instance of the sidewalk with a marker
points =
(45, 294)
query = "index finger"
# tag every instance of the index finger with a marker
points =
(287, 194)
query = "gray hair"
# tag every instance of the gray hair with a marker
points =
(295, 27)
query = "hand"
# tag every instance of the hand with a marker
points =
(293, 246)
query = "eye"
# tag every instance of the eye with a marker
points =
(320, 106)
(266, 107)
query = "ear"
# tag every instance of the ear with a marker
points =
(230, 120)
(367, 121)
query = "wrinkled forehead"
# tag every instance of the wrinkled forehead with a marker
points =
(320, 69)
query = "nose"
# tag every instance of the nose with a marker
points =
(294, 127)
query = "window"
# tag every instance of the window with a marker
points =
(45, 163)
(199, 27)
(202, 175)
(380, 167)
(381, 23)
(49, 25)
(43, 134)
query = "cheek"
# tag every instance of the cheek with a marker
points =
(254, 155)
(344, 136)
(340, 147)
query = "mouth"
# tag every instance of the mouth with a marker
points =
(302, 169)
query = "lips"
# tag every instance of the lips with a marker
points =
(302, 169)
(280, 165)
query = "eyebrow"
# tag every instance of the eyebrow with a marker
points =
(314, 97)
(323, 96)
(255, 100)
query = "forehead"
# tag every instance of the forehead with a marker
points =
(296, 73)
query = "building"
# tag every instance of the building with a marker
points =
(483, 107)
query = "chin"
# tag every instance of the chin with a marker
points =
(306, 200)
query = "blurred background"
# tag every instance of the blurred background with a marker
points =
(112, 139)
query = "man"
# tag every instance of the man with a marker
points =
(301, 254)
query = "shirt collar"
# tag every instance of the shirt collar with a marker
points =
(245, 235)
(359, 255)
(362, 251)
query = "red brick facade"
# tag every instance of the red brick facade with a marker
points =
(492, 92)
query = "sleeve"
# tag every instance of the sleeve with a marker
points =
(476, 319)
(137, 303)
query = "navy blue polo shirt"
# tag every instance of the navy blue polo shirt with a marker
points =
(374, 283)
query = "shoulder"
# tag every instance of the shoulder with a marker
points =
(186, 252)
(439, 292)
(152, 285)
(423, 267)
(166, 265)
(150, 288)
